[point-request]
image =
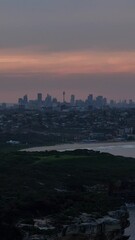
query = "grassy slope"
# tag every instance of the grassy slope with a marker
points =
(28, 181)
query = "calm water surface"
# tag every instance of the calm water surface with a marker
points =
(126, 149)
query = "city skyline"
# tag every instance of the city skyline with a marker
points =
(90, 100)
(79, 46)
(68, 94)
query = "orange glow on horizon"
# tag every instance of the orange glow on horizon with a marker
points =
(85, 62)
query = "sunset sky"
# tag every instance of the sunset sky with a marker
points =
(81, 47)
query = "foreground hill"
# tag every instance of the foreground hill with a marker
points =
(61, 184)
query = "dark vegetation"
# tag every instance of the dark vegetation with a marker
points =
(59, 184)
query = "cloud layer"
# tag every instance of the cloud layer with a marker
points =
(65, 63)
(67, 40)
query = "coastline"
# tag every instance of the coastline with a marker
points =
(122, 148)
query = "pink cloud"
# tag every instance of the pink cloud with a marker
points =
(63, 63)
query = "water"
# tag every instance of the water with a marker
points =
(126, 149)
(131, 229)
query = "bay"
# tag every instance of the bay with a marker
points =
(126, 149)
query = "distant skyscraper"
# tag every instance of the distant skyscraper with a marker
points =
(90, 100)
(25, 99)
(20, 101)
(39, 97)
(48, 101)
(101, 101)
(72, 100)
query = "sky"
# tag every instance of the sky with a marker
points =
(80, 47)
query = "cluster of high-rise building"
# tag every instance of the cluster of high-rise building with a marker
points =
(90, 101)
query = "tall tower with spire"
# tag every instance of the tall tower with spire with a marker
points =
(64, 97)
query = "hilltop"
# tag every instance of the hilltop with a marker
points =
(63, 185)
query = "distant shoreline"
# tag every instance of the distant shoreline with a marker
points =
(122, 148)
